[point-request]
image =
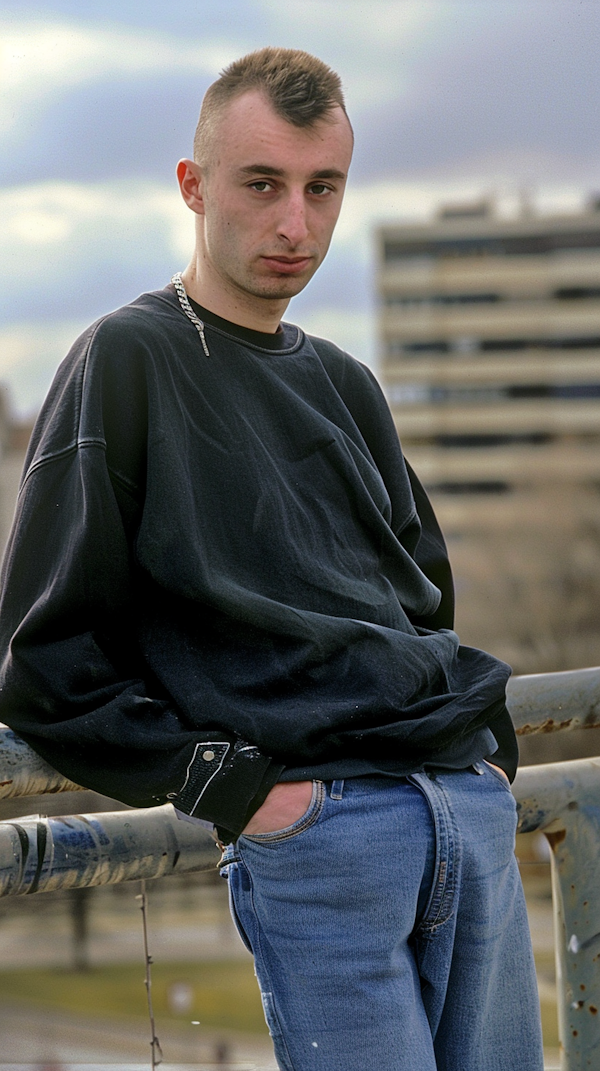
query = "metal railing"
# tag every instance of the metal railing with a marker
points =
(74, 851)
(561, 799)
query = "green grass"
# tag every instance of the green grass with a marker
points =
(225, 994)
(549, 1024)
(545, 962)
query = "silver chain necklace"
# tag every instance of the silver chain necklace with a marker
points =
(188, 310)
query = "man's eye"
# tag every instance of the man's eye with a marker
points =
(261, 185)
(319, 189)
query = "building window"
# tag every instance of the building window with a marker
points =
(564, 293)
(436, 346)
(478, 442)
(577, 293)
(496, 345)
(398, 349)
(470, 487)
(404, 300)
(424, 394)
(491, 245)
(577, 342)
(589, 342)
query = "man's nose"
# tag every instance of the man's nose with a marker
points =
(293, 226)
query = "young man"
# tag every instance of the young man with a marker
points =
(225, 588)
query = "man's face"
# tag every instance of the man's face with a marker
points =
(271, 198)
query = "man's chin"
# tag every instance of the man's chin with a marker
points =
(282, 289)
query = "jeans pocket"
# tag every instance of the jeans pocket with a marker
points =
(303, 823)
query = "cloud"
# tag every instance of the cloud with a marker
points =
(234, 16)
(80, 249)
(29, 356)
(383, 48)
(134, 128)
(70, 253)
(82, 100)
(351, 330)
(41, 59)
(374, 46)
(514, 84)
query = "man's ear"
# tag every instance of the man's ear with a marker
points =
(190, 178)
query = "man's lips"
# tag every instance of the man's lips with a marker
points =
(287, 265)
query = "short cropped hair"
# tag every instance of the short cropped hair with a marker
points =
(300, 88)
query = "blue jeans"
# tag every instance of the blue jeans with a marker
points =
(389, 930)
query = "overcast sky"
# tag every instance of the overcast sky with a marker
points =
(448, 98)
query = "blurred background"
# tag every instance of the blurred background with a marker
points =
(465, 271)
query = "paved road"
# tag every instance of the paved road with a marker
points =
(44, 1040)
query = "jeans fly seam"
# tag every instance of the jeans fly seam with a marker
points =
(433, 905)
(447, 898)
(432, 917)
(439, 908)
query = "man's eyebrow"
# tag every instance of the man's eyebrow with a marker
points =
(261, 169)
(329, 172)
(278, 172)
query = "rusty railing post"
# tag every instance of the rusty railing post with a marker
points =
(563, 800)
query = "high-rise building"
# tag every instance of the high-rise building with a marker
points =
(490, 336)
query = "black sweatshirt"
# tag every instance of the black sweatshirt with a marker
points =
(218, 577)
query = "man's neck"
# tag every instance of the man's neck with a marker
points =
(280, 340)
(257, 315)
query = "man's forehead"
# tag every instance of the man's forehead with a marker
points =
(250, 133)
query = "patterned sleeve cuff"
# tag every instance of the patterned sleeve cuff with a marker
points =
(225, 784)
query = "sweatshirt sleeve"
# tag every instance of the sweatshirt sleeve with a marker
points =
(72, 681)
(366, 401)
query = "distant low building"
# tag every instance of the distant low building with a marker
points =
(14, 438)
(490, 336)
